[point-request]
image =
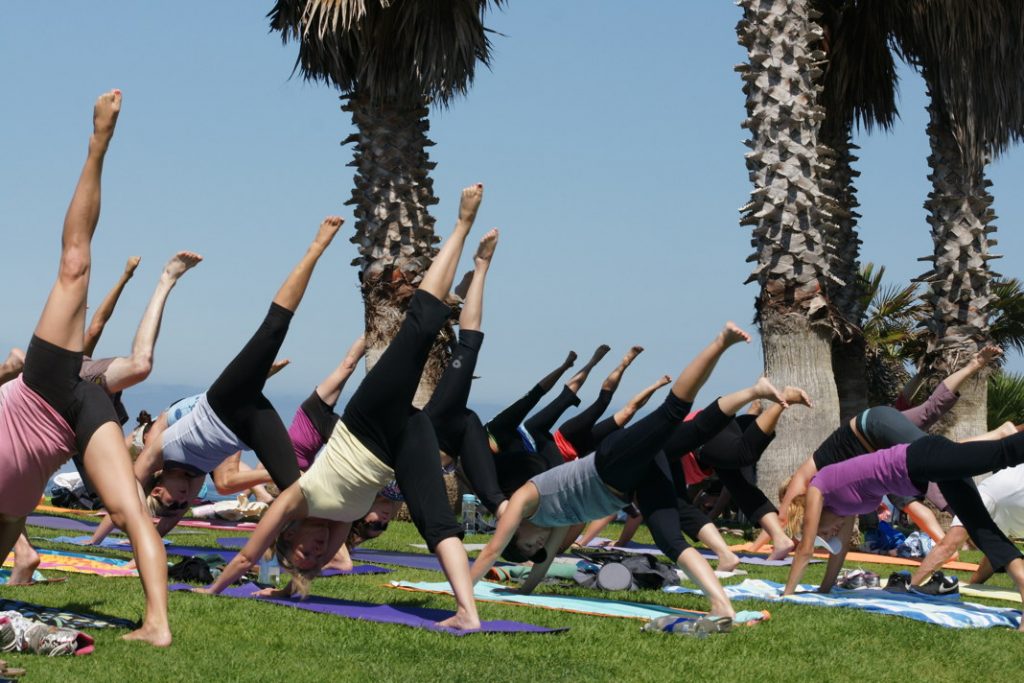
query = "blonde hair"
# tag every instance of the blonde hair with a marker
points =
(300, 579)
(795, 516)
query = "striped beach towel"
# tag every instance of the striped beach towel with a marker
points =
(950, 612)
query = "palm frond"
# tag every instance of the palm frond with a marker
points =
(1005, 399)
(971, 55)
(400, 50)
(1007, 324)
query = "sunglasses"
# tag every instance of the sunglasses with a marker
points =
(378, 527)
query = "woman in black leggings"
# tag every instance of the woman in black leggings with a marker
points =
(840, 492)
(311, 518)
(234, 415)
(540, 513)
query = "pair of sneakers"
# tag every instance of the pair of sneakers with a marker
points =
(858, 578)
(19, 634)
(939, 584)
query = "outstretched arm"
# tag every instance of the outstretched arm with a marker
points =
(12, 367)
(289, 506)
(805, 549)
(539, 571)
(524, 499)
(106, 307)
(230, 478)
(835, 562)
(984, 357)
(329, 390)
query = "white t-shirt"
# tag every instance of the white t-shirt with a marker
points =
(1003, 495)
(200, 439)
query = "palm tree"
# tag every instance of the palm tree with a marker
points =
(794, 228)
(859, 90)
(391, 60)
(891, 334)
(1005, 398)
(972, 57)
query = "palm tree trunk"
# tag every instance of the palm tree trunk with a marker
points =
(958, 290)
(394, 228)
(795, 352)
(791, 217)
(849, 363)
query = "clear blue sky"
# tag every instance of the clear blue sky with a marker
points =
(607, 135)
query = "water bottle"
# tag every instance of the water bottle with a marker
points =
(270, 571)
(469, 513)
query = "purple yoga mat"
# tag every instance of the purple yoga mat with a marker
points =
(226, 555)
(64, 523)
(396, 558)
(417, 617)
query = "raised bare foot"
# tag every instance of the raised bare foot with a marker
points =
(328, 229)
(732, 334)
(15, 360)
(599, 353)
(460, 289)
(570, 360)
(765, 389)
(782, 549)
(460, 621)
(277, 366)
(470, 203)
(104, 115)
(131, 265)
(631, 355)
(488, 243)
(154, 635)
(728, 561)
(796, 396)
(641, 399)
(179, 263)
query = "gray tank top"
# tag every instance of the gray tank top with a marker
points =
(573, 493)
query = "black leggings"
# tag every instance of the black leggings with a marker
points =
(504, 427)
(937, 459)
(52, 372)
(656, 492)
(736, 448)
(543, 421)
(236, 397)
(379, 415)
(579, 429)
(459, 431)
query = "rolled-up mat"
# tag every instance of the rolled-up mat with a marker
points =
(416, 617)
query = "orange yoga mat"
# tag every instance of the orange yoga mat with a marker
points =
(66, 511)
(876, 559)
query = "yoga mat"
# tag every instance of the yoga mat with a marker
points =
(62, 523)
(470, 547)
(886, 559)
(227, 555)
(492, 592)
(54, 616)
(114, 543)
(218, 526)
(398, 559)
(78, 563)
(948, 611)
(745, 557)
(416, 617)
(980, 590)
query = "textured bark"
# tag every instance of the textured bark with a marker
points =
(794, 231)
(790, 212)
(797, 353)
(958, 286)
(394, 230)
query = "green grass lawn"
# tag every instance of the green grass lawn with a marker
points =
(219, 639)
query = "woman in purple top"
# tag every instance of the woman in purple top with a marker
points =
(49, 413)
(881, 427)
(840, 492)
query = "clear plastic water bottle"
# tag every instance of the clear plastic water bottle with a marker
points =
(270, 571)
(469, 513)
